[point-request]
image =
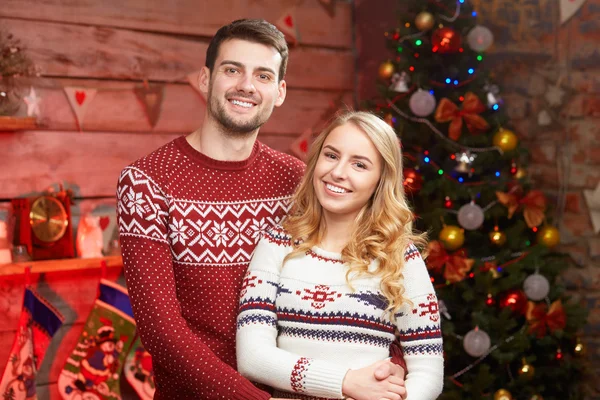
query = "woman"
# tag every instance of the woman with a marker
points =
(325, 292)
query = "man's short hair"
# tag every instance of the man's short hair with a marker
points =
(252, 30)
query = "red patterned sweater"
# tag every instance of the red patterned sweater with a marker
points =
(188, 226)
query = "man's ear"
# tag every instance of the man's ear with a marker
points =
(204, 81)
(282, 90)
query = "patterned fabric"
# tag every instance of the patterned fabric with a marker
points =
(93, 369)
(301, 327)
(38, 323)
(189, 225)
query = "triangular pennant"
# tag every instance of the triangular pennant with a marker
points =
(151, 98)
(300, 146)
(193, 80)
(287, 25)
(329, 6)
(568, 8)
(80, 99)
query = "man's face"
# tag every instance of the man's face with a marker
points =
(243, 87)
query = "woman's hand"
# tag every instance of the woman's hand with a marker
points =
(363, 384)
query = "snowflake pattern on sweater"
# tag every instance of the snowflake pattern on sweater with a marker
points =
(188, 227)
(301, 327)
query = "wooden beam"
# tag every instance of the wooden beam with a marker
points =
(90, 163)
(192, 17)
(116, 108)
(76, 51)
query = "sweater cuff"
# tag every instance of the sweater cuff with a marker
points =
(245, 390)
(325, 380)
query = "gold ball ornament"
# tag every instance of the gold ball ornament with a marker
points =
(505, 139)
(502, 394)
(549, 236)
(386, 70)
(424, 21)
(526, 371)
(497, 237)
(452, 236)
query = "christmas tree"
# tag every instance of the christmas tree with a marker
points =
(14, 63)
(510, 329)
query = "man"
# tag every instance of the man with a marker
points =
(191, 212)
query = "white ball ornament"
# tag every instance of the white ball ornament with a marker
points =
(470, 216)
(536, 287)
(422, 103)
(480, 38)
(476, 342)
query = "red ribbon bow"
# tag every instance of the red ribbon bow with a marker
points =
(448, 111)
(533, 204)
(457, 264)
(541, 319)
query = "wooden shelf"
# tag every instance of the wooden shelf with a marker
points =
(68, 264)
(17, 123)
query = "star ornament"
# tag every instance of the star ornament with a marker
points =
(33, 103)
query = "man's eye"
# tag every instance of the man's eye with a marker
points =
(264, 77)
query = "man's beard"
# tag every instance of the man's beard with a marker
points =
(230, 126)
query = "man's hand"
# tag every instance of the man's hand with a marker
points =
(381, 380)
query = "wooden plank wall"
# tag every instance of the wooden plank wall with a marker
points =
(113, 46)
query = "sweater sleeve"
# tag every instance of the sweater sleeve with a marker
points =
(258, 356)
(143, 225)
(420, 332)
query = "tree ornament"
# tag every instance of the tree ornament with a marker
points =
(513, 168)
(422, 103)
(386, 70)
(476, 342)
(447, 111)
(480, 38)
(424, 21)
(490, 301)
(533, 205)
(505, 139)
(456, 265)
(521, 173)
(515, 299)
(470, 216)
(445, 41)
(536, 397)
(543, 319)
(448, 202)
(497, 237)
(33, 103)
(413, 181)
(579, 349)
(400, 82)
(536, 287)
(502, 394)
(464, 160)
(549, 236)
(492, 92)
(526, 371)
(452, 237)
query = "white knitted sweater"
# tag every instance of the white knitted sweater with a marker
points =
(301, 328)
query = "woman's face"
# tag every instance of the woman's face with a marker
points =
(347, 172)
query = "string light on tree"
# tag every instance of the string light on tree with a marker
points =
(579, 349)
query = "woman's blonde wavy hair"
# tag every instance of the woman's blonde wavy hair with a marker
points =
(383, 228)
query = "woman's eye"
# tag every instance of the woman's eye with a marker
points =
(330, 155)
(361, 165)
